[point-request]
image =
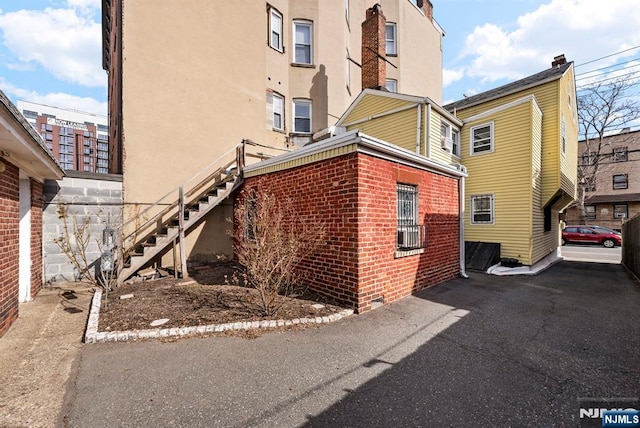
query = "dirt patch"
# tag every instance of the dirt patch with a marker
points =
(203, 299)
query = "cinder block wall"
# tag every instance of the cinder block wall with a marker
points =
(356, 197)
(98, 196)
(9, 248)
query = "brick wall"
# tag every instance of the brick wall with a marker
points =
(36, 237)
(355, 195)
(9, 249)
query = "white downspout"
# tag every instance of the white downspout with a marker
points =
(461, 196)
(418, 128)
(427, 134)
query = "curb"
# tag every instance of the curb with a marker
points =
(92, 334)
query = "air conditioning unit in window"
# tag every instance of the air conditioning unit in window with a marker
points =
(447, 143)
(619, 215)
(407, 238)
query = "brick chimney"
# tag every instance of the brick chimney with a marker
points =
(374, 49)
(558, 61)
(427, 8)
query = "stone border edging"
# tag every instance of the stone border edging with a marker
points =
(92, 334)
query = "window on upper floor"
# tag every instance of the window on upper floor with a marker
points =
(391, 39)
(391, 85)
(589, 159)
(450, 138)
(620, 211)
(481, 139)
(482, 209)
(620, 154)
(275, 30)
(303, 42)
(590, 212)
(302, 116)
(620, 181)
(278, 112)
(29, 114)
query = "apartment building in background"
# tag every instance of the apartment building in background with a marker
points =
(191, 79)
(613, 195)
(78, 140)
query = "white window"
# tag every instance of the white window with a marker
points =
(620, 211)
(481, 139)
(391, 85)
(563, 135)
(302, 116)
(390, 37)
(482, 209)
(303, 40)
(278, 112)
(275, 25)
(448, 132)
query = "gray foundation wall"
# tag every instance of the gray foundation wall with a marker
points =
(86, 195)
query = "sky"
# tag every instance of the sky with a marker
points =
(50, 50)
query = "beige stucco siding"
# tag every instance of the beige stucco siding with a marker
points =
(507, 175)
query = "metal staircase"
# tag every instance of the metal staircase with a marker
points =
(149, 234)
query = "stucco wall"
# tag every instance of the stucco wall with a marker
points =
(97, 196)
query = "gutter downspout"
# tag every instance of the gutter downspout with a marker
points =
(419, 123)
(461, 196)
(427, 134)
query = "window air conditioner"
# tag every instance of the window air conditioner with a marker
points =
(407, 238)
(447, 143)
(619, 215)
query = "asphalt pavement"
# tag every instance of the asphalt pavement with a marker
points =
(484, 351)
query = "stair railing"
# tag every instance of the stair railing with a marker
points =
(171, 200)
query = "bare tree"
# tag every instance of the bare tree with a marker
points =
(603, 108)
(271, 238)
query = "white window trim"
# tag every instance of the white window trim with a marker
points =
(279, 97)
(493, 205)
(273, 12)
(492, 137)
(394, 82)
(305, 23)
(302, 101)
(394, 40)
(450, 130)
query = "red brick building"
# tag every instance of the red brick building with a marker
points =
(25, 162)
(393, 217)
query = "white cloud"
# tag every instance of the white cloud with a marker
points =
(67, 42)
(57, 99)
(581, 29)
(449, 76)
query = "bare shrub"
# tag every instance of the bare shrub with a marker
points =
(271, 238)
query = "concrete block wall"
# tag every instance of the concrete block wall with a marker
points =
(356, 197)
(98, 196)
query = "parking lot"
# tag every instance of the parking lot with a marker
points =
(591, 253)
(483, 351)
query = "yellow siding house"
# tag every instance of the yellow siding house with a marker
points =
(517, 142)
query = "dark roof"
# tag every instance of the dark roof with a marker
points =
(612, 199)
(552, 73)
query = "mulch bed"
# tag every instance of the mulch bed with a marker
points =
(203, 299)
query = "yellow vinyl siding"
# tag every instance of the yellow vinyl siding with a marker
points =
(542, 242)
(400, 129)
(569, 162)
(372, 105)
(305, 160)
(506, 174)
(436, 151)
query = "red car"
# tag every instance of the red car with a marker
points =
(590, 235)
